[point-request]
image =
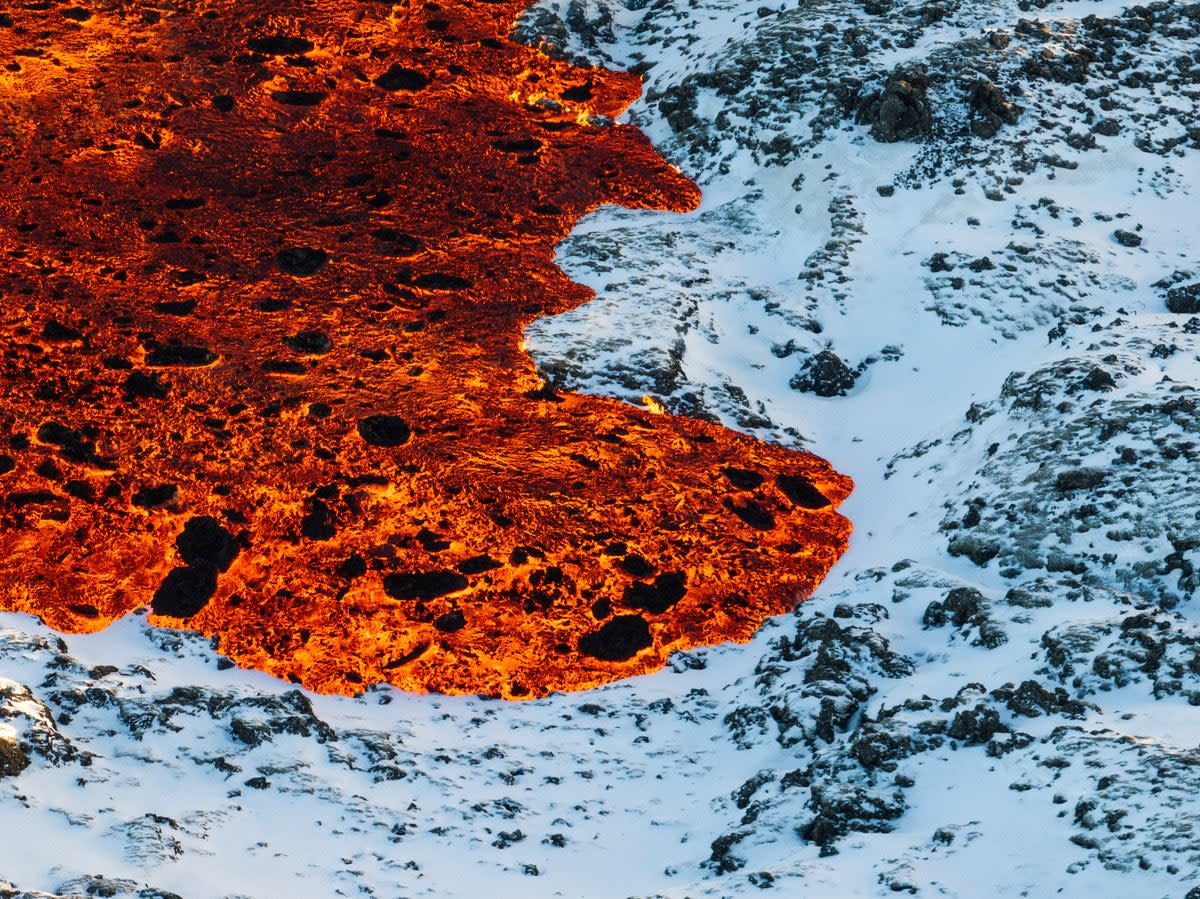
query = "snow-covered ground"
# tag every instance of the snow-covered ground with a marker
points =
(995, 692)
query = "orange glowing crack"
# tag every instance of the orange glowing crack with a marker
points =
(263, 284)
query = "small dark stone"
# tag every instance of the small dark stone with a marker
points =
(81, 490)
(185, 202)
(176, 307)
(311, 343)
(441, 281)
(752, 513)
(32, 498)
(1099, 379)
(824, 374)
(384, 430)
(398, 78)
(1127, 238)
(991, 107)
(180, 356)
(222, 103)
(301, 262)
(354, 567)
(801, 491)
(423, 584)
(77, 14)
(59, 333)
(742, 478)
(185, 591)
(478, 565)
(319, 523)
(47, 469)
(617, 640)
(396, 243)
(519, 145)
(578, 93)
(665, 591)
(204, 542)
(1079, 479)
(452, 621)
(901, 111)
(7, 463)
(637, 565)
(976, 726)
(13, 759)
(278, 45)
(1184, 299)
(141, 384)
(58, 435)
(148, 497)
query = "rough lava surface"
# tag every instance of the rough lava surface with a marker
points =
(949, 245)
(266, 272)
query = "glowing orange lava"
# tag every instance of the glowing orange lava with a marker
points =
(264, 271)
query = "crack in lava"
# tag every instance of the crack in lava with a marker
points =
(264, 279)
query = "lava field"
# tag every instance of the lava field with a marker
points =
(264, 273)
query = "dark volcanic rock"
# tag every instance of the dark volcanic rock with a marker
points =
(301, 261)
(178, 355)
(279, 45)
(801, 492)
(204, 542)
(384, 430)
(311, 343)
(423, 584)
(1184, 299)
(992, 109)
(185, 591)
(1079, 479)
(824, 374)
(619, 639)
(657, 597)
(741, 478)
(752, 513)
(452, 621)
(13, 759)
(901, 111)
(398, 78)
(148, 497)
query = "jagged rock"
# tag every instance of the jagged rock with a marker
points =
(901, 110)
(1184, 299)
(13, 759)
(825, 374)
(992, 109)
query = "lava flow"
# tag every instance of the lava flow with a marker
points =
(264, 271)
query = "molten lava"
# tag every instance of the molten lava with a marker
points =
(265, 271)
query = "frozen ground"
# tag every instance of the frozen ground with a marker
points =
(975, 300)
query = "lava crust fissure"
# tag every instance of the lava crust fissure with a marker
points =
(263, 286)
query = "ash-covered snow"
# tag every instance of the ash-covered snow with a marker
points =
(953, 248)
